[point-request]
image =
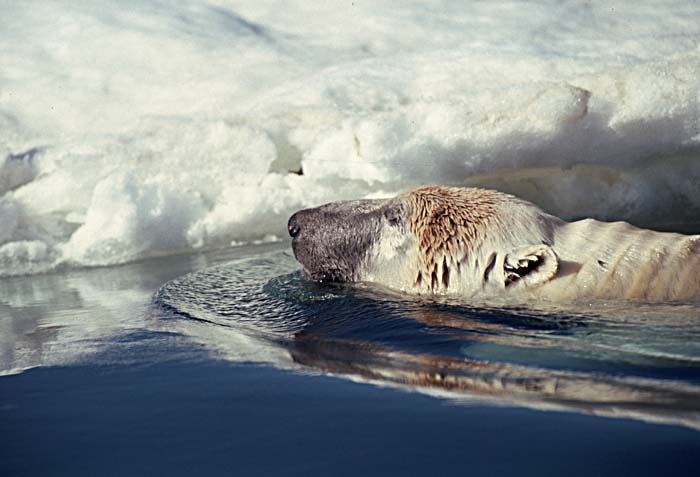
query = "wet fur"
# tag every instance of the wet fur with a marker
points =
(469, 242)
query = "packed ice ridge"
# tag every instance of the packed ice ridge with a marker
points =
(151, 128)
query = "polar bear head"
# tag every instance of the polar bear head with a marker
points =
(431, 239)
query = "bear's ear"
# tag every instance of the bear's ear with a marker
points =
(531, 265)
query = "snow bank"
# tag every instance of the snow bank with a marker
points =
(146, 127)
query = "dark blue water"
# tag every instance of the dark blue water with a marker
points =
(609, 359)
(243, 367)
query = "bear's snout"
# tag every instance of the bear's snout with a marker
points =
(332, 241)
(293, 226)
(302, 221)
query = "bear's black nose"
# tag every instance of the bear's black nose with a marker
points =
(293, 226)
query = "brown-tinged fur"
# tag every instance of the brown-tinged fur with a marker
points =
(459, 229)
(473, 242)
(447, 223)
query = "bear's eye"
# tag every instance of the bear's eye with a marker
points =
(393, 215)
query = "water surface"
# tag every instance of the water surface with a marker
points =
(232, 363)
(609, 358)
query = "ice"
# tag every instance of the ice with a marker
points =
(152, 127)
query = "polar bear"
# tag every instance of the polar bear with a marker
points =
(479, 242)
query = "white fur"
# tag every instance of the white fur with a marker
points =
(579, 260)
(387, 260)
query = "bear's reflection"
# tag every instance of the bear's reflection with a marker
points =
(500, 383)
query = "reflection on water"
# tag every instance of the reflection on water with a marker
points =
(614, 359)
(68, 317)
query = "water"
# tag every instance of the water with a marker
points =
(229, 362)
(617, 359)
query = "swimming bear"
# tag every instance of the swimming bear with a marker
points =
(471, 242)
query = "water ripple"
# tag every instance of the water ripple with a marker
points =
(618, 359)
